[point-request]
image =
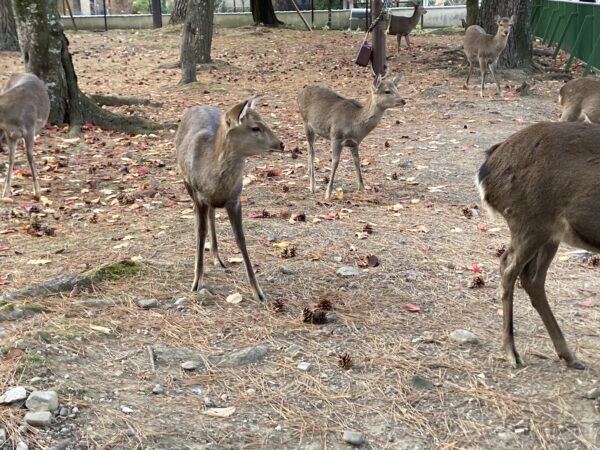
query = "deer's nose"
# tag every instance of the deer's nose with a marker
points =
(403, 102)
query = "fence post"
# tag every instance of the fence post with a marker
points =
(553, 35)
(592, 59)
(547, 30)
(587, 19)
(563, 35)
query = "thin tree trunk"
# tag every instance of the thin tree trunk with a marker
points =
(196, 38)
(178, 13)
(8, 29)
(45, 52)
(472, 12)
(263, 12)
(519, 49)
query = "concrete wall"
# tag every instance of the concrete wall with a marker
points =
(435, 18)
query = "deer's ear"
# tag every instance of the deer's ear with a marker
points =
(396, 80)
(513, 19)
(498, 19)
(235, 115)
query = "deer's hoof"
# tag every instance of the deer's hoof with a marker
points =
(576, 364)
(217, 262)
(259, 296)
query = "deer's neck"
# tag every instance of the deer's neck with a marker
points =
(414, 19)
(370, 115)
(227, 161)
(500, 41)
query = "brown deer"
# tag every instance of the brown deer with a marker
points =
(580, 101)
(486, 48)
(402, 26)
(544, 181)
(24, 109)
(343, 121)
(211, 149)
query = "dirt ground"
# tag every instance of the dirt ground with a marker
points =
(109, 196)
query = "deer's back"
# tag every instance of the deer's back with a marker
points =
(325, 110)
(28, 97)
(195, 137)
(581, 96)
(400, 25)
(545, 171)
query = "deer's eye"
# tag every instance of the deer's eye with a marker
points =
(256, 129)
(388, 91)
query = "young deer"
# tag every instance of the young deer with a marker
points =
(344, 121)
(24, 109)
(211, 150)
(486, 48)
(402, 26)
(544, 181)
(580, 101)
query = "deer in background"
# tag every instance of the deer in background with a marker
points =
(580, 101)
(402, 26)
(344, 121)
(24, 109)
(211, 149)
(486, 48)
(544, 181)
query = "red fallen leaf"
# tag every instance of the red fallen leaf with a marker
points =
(270, 172)
(588, 303)
(481, 227)
(411, 307)
(14, 353)
(475, 268)
(141, 170)
(259, 214)
(327, 217)
(3, 280)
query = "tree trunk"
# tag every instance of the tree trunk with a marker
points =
(196, 38)
(263, 12)
(472, 12)
(519, 50)
(178, 13)
(45, 52)
(8, 28)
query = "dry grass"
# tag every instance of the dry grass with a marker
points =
(420, 234)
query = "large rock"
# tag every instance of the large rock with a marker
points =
(249, 355)
(42, 401)
(353, 438)
(348, 271)
(13, 395)
(464, 337)
(39, 418)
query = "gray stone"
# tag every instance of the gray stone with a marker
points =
(126, 409)
(42, 401)
(421, 383)
(405, 164)
(22, 446)
(271, 238)
(353, 437)
(190, 365)
(287, 271)
(64, 412)
(15, 394)
(464, 337)
(293, 349)
(38, 418)
(304, 366)
(158, 389)
(410, 276)
(2, 436)
(148, 303)
(249, 355)
(61, 284)
(348, 271)
(75, 410)
(593, 393)
(36, 380)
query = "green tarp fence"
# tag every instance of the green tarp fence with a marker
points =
(572, 26)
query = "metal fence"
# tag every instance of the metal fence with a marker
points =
(572, 26)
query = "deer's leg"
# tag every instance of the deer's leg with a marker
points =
(570, 115)
(201, 216)
(469, 75)
(407, 41)
(310, 139)
(493, 72)
(482, 68)
(336, 151)
(234, 210)
(12, 150)
(533, 278)
(356, 158)
(399, 41)
(214, 249)
(29, 138)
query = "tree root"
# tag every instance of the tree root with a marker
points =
(110, 100)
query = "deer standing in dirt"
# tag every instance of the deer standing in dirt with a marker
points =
(211, 150)
(486, 48)
(580, 101)
(24, 109)
(402, 26)
(544, 181)
(343, 121)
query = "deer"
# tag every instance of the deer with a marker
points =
(402, 26)
(544, 181)
(486, 48)
(211, 148)
(24, 110)
(580, 101)
(344, 121)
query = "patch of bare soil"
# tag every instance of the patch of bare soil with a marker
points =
(383, 363)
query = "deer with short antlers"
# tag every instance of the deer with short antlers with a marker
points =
(544, 181)
(486, 48)
(211, 150)
(344, 121)
(24, 110)
(580, 100)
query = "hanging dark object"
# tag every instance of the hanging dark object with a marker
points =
(365, 51)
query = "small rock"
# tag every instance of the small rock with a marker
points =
(126, 409)
(348, 271)
(36, 380)
(209, 402)
(234, 298)
(190, 365)
(304, 366)
(251, 392)
(180, 301)
(2, 436)
(421, 383)
(271, 238)
(38, 418)
(353, 437)
(197, 390)
(410, 276)
(15, 394)
(75, 410)
(42, 401)
(405, 164)
(148, 303)
(293, 349)
(249, 355)
(464, 337)
(158, 389)
(287, 271)
(64, 412)
(22, 446)
(337, 259)
(593, 393)
(427, 337)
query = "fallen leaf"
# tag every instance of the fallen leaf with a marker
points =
(220, 412)
(100, 329)
(282, 244)
(411, 307)
(588, 303)
(235, 260)
(39, 262)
